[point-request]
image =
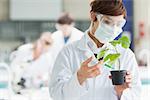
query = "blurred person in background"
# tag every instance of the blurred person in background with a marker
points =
(31, 63)
(65, 34)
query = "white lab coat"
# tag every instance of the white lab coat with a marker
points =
(59, 43)
(23, 65)
(64, 84)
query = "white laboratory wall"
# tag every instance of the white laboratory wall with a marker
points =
(78, 8)
(35, 9)
(4, 11)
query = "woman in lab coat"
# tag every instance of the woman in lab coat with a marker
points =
(31, 63)
(66, 33)
(76, 76)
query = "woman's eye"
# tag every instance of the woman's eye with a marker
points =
(107, 22)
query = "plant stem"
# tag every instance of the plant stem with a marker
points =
(118, 58)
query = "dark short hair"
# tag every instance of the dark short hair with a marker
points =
(109, 7)
(65, 19)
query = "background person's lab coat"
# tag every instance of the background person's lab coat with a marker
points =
(64, 83)
(59, 42)
(23, 65)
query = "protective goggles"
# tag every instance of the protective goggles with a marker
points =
(110, 21)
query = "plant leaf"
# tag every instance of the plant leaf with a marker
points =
(107, 57)
(114, 42)
(112, 57)
(125, 42)
(102, 53)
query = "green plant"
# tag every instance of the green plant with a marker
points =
(111, 58)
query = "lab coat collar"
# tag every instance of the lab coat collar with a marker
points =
(83, 43)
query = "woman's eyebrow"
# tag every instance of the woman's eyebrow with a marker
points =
(109, 18)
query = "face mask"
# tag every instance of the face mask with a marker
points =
(106, 33)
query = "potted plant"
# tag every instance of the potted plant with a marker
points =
(110, 59)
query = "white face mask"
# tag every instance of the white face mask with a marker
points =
(106, 33)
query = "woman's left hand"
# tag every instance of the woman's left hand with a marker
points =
(120, 88)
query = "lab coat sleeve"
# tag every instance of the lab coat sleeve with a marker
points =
(64, 84)
(134, 92)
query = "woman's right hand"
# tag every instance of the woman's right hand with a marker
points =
(87, 71)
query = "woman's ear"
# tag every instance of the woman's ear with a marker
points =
(93, 16)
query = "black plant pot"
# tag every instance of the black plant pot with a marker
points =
(118, 77)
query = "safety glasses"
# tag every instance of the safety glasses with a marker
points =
(109, 20)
